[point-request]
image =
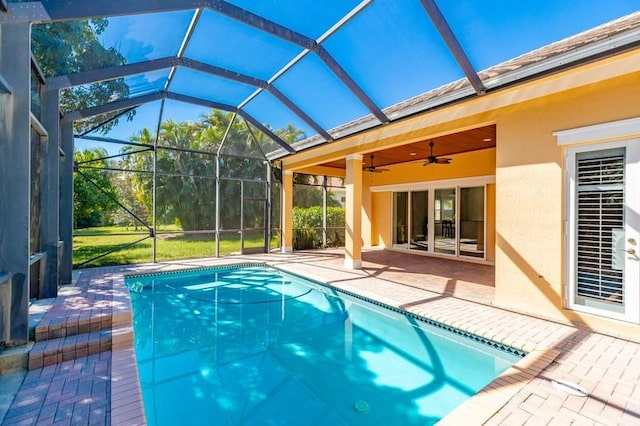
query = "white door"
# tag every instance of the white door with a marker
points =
(604, 229)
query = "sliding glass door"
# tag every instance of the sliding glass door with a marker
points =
(471, 241)
(444, 213)
(420, 220)
(400, 219)
(448, 221)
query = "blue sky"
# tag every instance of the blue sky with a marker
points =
(390, 49)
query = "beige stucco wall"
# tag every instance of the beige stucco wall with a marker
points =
(381, 226)
(530, 265)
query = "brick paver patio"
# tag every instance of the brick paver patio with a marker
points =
(102, 388)
(72, 392)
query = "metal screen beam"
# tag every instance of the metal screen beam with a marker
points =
(251, 19)
(222, 72)
(230, 108)
(256, 82)
(3, 6)
(183, 47)
(50, 176)
(77, 9)
(66, 202)
(241, 15)
(139, 100)
(454, 46)
(111, 140)
(266, 131)
(350, 83)
(112, 106)
(92, 76)
(300, 113)
(15, 182)
(36, 11)
(78, 79)
(199, 101)
(108, 120)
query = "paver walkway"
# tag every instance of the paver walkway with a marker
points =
(103, 388)
(73, 392)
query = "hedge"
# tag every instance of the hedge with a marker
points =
(307, 227)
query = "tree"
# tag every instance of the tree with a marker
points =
(186, 184)
(73, 46)
(132, 200)
(186, 165)
(92, 206)
(186, 171)
(291, 134)
(307, 191)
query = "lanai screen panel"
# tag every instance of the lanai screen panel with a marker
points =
(131, 39)
(394, 52)
(311, 65)
(292, 73)
(113, 90)
(319, 92)
(199, 84)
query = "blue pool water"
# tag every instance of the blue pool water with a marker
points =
(256, 346)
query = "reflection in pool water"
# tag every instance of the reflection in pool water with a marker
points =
(254, 345)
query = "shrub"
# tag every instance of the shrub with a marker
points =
(307, 227)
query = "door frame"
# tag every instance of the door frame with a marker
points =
(632, 229)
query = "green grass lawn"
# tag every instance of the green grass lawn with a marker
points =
(91, 242)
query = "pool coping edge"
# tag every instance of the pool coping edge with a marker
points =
(482, 406)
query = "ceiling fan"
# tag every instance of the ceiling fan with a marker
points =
(374, 169)
(432, 159)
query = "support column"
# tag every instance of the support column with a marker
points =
(353, 213)
(287, 211)
(51, 192)
(66, 203)
(15, 176)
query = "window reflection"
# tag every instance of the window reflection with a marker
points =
(400, 213)
(420, 220)
(445, 220)
(472, 222)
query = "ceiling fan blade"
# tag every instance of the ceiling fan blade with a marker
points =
(432, 159)
(372, 168)
(375, 170)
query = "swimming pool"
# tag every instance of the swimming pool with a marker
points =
(255, 345)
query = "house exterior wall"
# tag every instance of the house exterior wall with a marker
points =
(530, 261)
(528, 198)
(381, 226)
